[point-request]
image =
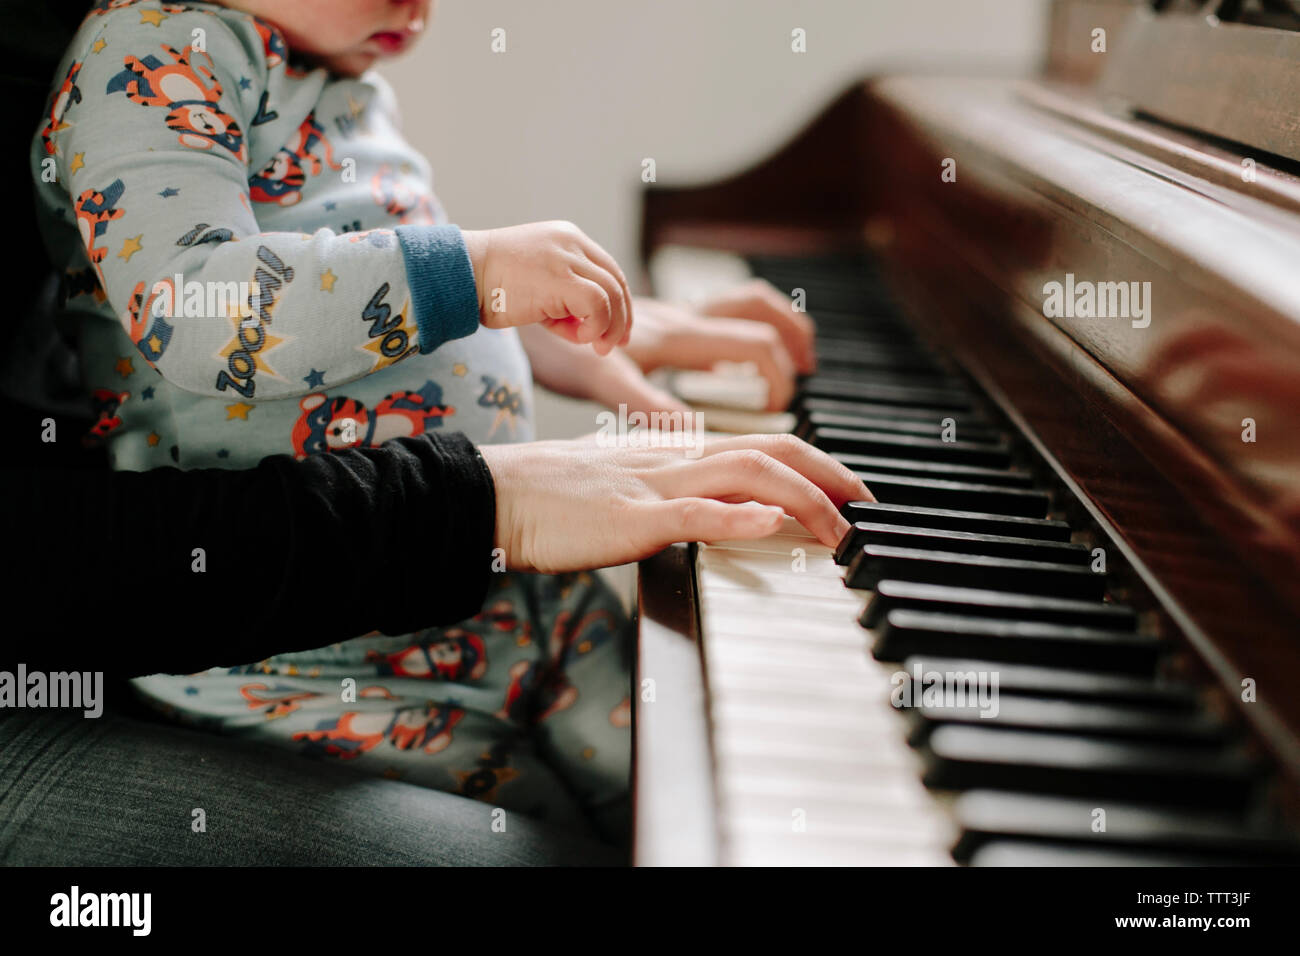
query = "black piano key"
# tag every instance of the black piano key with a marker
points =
(964, 542)
(831, 374)
(840, 358)
(1091, 719)
(888, 394)
(956, 495)
(815, 421)
(981, 522)
(875, 562)
(931, 469)
(905, 634)
(1059, 683)
(986, 816)
(883, 335)
(892, 595)
(899, 444)
(1027, 853)
(967, 758)
(889, 412)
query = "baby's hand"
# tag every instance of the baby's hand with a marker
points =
(550, 273)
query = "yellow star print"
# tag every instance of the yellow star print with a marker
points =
(99, 45)
(327, 280)
(124, 367)
(130, 247)
(155, 17)
(238, 410)
(258, 358)
(154, 439)
(459, 370)
(78, 161)
(406, 323)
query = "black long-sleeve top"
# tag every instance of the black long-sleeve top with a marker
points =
(100, 569)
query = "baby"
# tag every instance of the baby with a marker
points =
(256, 264)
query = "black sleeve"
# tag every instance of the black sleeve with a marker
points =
(104, 575)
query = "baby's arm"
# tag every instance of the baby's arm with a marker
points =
(155, 156)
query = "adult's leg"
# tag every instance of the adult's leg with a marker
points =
(116, 790)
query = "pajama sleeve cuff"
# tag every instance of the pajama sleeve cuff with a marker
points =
(443, 293)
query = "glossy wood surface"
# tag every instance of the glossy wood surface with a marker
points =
(1145, 423)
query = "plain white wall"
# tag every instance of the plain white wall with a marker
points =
(557, 126)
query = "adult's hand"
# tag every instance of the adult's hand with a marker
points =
(746, 325)
(573, 505)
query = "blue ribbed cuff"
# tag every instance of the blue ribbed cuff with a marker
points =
(441, 280)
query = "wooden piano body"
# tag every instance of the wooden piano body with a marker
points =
(1170, 160)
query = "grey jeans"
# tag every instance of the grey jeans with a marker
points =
(121, 791)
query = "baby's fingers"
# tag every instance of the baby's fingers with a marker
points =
(607, 262)
(615, 330)
(586, 312)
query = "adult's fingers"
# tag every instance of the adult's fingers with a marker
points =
(706, 519)
(745, 475)
(740, 340)
(837, 481)
(760, 301)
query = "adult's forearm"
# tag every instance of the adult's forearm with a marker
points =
(142, 572)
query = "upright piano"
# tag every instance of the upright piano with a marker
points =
(1059, 337)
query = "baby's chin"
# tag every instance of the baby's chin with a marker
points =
(348, 64)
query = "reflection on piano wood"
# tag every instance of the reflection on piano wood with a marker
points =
(1066, 505)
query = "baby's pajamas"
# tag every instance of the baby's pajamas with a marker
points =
(256, 264)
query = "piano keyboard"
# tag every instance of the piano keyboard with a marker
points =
(966, 566)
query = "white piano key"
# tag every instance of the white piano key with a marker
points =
(882, 790)
(749, 849)
(737, 421)
(736, 605)
(801, 718)
(784, 637)
(834, 702)
(779, 544)
(888, 825)
(865, 848)
(826, 669)
(760, 712)
(720, 574)
(814, 756)
(723, 388)
(790, 527)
